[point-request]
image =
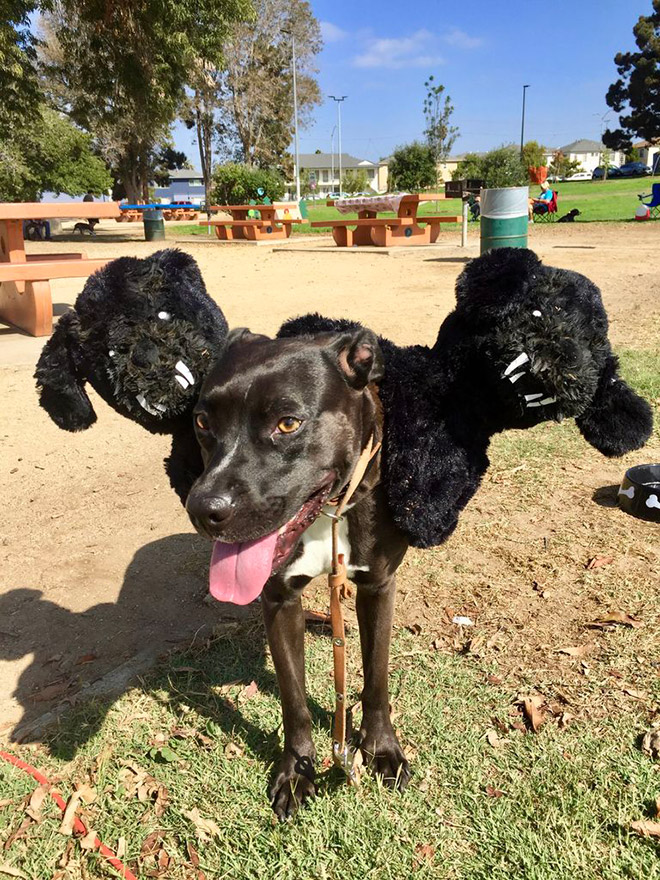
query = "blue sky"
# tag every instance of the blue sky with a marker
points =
(379, 55)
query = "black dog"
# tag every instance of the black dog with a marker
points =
(570, 217)
(281, 424)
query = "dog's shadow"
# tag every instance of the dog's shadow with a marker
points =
(83, 661)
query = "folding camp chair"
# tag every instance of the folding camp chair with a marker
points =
(654, 204)
(546, 215)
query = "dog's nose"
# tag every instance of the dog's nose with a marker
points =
(210, 513)
(145, 353)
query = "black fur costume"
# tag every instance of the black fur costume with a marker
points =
(526, 343)
(144, 334)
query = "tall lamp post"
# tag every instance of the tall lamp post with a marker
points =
(339, 103)
(332, 156)
(522, 127)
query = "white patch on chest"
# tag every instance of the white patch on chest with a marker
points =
(316, 556)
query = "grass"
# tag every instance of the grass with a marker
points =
(610, 200)
(540, 806)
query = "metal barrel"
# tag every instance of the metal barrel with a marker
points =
(504, 217)
(154, 225)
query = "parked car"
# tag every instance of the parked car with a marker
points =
(580, 175)
(612, 171)
(634, 169)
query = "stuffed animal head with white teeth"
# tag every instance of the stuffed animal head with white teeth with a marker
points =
(143, 333)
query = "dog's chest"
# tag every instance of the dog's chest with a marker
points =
(316, 556)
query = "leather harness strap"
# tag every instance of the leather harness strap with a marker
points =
(342, 754)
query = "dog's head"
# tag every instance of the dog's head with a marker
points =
(281, 424)
(143, 333)
(536, 338)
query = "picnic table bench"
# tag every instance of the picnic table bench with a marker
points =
(171, 211)
(25, 297)
(272, 224)
(370, 229)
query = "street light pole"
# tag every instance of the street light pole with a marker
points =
(522, 127)
(339, 103)
(332, 156)
(295, 117)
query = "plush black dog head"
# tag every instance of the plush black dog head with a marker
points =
(281, 424)
(538, 345)
(143, 333)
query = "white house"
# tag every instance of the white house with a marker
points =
(649, 153)
(325, 168)
(588, 153)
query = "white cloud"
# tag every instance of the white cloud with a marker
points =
(331, 33)
(398, 52)
(457, 37)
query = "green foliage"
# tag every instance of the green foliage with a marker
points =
(440, 134)
(633, 155)
(638, 86)
(533, 154)
(412, 168)
(19, 86)
(49, 155)
(354, 180)
(498, 168)
(235, 184)
(561, 166)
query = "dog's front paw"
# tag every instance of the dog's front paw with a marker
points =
(384, 756)
(293, 785)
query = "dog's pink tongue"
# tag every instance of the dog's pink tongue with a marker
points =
(239, 571)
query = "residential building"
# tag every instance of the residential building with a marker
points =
(186, 185)
(649, 153)
(588, 153)
(325, 167)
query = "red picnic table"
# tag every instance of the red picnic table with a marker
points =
(370, 229)
(25, 298)
(274, 222)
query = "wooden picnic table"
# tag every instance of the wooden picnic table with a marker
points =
(370, 229)
(25, 297)
(271, 225)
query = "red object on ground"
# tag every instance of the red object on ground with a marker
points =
(78, 825)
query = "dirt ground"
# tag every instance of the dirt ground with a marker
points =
(100, 568)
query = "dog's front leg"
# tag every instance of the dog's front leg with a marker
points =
(378, 743)
(285, 626)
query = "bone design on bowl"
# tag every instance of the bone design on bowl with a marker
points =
(639, 493)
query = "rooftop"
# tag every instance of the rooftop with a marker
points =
(327, 160)
(583, 145)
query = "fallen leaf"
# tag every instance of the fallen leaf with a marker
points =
(120, 849)
(414, 628)
(151, 843)
(646, 827)
(598, 561)
(493, 792)
(36, 801)
(636, 695)
(564, 720)
(616, 617)
(163, 754)
(204, 828)
(493, 738)
(493, 679)
(21, 831)
(86, 792)
(66, 826)
(86, 658)
(12, 872)
(532, 709)
(577, 651)
(248, 692)
(193, 855)
(425, 851)
(88, 841)
(233, 751)
(317, 618)
(51, 691)
(651, 741)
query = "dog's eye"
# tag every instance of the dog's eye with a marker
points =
(164, 316)
(202, 422)
(288, 424)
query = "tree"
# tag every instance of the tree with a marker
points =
(471, 165)
(19, 85)
(499, 168)
(120, 71)
(412, 168)
(354, 180)
(440, 135)
(638, 88)
(533, 155)
(235, 184)
(49, 155)
(561, 166)
(256, 88)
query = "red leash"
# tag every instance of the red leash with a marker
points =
(78, 825)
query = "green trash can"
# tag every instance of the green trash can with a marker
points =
(504, 217)
(154, 225)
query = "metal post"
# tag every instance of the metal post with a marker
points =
(464, 224)
(522, 127)
(332, 157)
(339, 103)
(295, 117)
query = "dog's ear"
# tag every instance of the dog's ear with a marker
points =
(241, 334)
(359, 357)
(617, 420)
(61, 380)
